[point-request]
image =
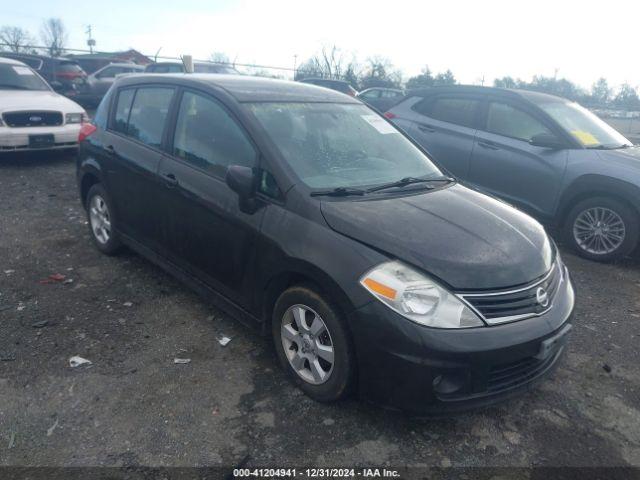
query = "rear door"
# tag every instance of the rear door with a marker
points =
(132, 149)
(505, 164)
(203, 228)
(101, 82)
(445, 125)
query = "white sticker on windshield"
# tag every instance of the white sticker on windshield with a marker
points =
(22, 70)
(379, 124)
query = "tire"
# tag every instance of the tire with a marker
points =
(340, 375)
(104, 237)
(620, 224)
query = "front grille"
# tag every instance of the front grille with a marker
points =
(516, 304)
(511, 375)
(32, 119)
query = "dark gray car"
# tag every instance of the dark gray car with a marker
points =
(550, 157)
(99, 82)
(380, 98)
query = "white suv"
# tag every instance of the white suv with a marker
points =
(32, 115)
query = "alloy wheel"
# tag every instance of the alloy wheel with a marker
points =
(100, 219)
(599, 230)
(307, 344)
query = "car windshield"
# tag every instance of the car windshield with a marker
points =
(586, 127)
(330, 145)
(20, 77)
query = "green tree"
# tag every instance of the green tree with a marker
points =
(445, 78)
(600, 92)
(423, 80)
(627, 98)
(380, 72)
(506, 82)
(220, 57)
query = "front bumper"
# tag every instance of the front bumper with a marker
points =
(16, 139)
(426, 370)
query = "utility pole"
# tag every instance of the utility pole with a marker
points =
(295, 65)
(90, 41)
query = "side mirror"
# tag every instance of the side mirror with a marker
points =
(55, 85)
(241, 180)
(547, 140)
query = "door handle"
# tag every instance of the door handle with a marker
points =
(170, 180)
(488, 145)
(110, 150)
(426, 128)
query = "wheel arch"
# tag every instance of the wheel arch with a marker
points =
(299, 272)
(589, 186)
(91, 173)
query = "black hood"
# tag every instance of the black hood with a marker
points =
(466, 239)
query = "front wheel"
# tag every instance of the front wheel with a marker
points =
(602, 229)
(313, 344)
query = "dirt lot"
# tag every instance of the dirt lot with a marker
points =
(134, 406)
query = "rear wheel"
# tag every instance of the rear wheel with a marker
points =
(313, 344)
(602, 229)
(101, 221)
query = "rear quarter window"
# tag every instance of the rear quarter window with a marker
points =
(457, 110)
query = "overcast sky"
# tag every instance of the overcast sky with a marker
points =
(581, 40)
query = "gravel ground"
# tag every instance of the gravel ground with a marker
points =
(135, 406)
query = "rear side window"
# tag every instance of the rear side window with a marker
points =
(34, 63)
(506, 120)
(148, 114)
(123, 108)
(208, 138)
(371, 94)
(457, 110)
(69, 67)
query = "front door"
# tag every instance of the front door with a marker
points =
(204, 230)
(505, 164)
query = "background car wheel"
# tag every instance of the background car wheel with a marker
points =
(313, 344)
(101, 221)
(602, 229)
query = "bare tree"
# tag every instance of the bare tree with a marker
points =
(15, 39)
(54, 36)
(329, 63)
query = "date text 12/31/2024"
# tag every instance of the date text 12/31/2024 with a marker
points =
(315, 473)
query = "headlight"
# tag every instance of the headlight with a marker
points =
(76, 118)
(417, 297)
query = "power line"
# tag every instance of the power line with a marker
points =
(97, 52)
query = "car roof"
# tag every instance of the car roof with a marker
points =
(33, 55)
(320, 79)
(11, 61)
(531, 96)
(382, 88)
(122, 64)
(245, 88)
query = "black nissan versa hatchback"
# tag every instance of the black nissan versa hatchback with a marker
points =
(300, 210)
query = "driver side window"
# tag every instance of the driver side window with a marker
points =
(506, 120)
(208, 138)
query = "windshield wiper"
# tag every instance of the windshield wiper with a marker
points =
(409, 181)
(338, 192)
(609, 147)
